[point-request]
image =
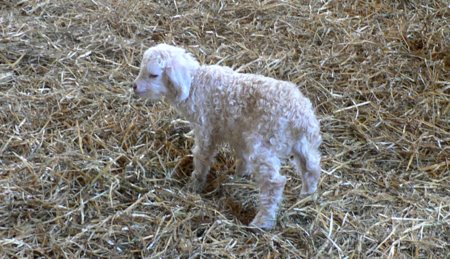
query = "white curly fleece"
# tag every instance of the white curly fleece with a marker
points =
(263, 119)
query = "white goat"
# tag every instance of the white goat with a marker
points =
(264, 120)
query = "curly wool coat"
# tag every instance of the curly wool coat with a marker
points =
(264, 120)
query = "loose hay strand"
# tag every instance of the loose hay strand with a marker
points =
(86, 170)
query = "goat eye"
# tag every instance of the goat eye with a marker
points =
(152, 76)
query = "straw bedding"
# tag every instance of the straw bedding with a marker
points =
(87, 170)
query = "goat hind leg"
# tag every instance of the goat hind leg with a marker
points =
(271, 186)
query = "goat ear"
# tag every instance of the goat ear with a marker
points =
(179, 73)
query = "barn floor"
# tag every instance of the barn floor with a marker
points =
(89, 171)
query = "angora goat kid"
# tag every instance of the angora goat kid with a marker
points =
(263, 120)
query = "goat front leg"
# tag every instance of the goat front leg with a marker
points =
(204, 153)
(243, 165)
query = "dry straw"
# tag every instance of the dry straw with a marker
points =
(86, 170)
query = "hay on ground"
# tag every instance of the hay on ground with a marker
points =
(86, 170)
